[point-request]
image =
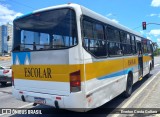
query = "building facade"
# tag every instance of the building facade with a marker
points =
(3, 39)
(6, 38)
(10, 37)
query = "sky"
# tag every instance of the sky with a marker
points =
(130, 13)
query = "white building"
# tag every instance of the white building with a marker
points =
(3, 39)
(5, 42)
(10, 35)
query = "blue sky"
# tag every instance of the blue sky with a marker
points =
(130, 13)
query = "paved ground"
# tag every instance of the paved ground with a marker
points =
(5, 58)
(5, 63)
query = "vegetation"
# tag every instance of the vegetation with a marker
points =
(157, 52)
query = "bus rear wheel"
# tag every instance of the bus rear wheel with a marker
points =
(129, 85)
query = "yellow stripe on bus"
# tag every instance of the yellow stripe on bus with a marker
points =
(98, 69)
(60, 73)
(147, 58)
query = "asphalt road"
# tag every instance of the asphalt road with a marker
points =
(135, 101)
(5, 63)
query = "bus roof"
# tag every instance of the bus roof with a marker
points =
(86, 12)
(106, 20)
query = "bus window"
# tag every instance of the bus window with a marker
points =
(114, 41)
(43, 31)
(144, 45)
(94, 41)
(126, 43)
(134, 51)
(149, 46)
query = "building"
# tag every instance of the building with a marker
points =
(6, 38)
(10, 37)
(3, 39)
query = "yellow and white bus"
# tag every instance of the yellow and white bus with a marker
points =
(70, 57)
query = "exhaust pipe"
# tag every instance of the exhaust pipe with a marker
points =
(34, 104)
(56, 104)
(23, 99)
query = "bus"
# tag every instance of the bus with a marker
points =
(70, 57)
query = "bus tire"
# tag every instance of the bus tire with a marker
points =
(150, 67)
(129, 84)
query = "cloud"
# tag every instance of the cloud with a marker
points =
(142, 32)
(7, 15)
(149, 38)
(158, 40)
(109, 14)
(153, 15)
(155, 3)
(112, 17)
(155, 32)
(114, 20)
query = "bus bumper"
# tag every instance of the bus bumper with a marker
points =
(74, 101)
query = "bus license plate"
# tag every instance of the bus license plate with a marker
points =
(39, 100)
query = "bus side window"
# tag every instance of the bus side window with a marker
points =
(149, 46)
(93, 38)
(126, 43)
(134, 51)
(113, 41)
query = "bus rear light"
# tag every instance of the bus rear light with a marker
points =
(58, 98)
(75, 81)
(12, 78)
(21, 92)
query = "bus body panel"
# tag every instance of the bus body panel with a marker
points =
(147, 61)
(46, 72)
(106, 78)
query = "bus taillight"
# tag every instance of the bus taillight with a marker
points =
(12, 78)
(75, 81)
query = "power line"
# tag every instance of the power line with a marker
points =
(137, 27)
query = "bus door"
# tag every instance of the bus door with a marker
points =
(140, 60)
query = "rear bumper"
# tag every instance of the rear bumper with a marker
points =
(74, 102)
(5, 79)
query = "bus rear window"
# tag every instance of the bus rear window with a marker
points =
(55, 29)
